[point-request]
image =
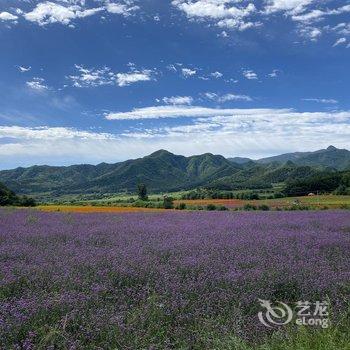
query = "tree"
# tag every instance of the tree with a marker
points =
(168, 202)
(142, 192)
(341, 190)
(8, 197)
(27, 202)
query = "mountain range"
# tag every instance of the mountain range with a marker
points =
(163, 171)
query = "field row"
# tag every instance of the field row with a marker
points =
(171, 280)
(313, 202)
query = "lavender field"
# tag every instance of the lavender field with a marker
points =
(170, 280)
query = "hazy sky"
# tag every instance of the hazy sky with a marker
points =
(102, 80)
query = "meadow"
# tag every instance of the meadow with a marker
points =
(170, 279)
(123, 205)
(328, 201)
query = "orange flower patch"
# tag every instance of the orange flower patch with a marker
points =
(95, 209)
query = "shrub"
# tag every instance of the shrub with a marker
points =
(298, 207)
(264, 207)
(222, 208)
(249, 207)
(168, 203)
(181, 206)
(248, 195)
(341, 190)
(211, 207)
(27, 202)
(139, 204)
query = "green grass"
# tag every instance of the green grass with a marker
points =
(331, 201)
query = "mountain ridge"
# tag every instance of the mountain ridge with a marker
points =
(319, 157)
(164, 171)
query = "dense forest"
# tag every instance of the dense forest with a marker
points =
(9, 198)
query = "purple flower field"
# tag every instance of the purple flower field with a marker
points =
(170, 280)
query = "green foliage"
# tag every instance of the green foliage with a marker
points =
(163, 171)
(323, 183)
(207, 193)
(26, 202)
(331, 157)
(181, 206)
(142, 192)
(249, 207)
(264, 207)
(222, 208)
(211, 207)
(341, 190)
(168, 202)
(147, 204)
(8, 197)
(248, 196)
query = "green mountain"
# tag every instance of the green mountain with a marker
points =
(239, 160)
(163, 171)
(254, 175)
(160, 171)
(331, 157)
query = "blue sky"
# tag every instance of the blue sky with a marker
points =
(102, 80)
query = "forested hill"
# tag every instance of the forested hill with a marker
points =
(164, 171)
(330, 157)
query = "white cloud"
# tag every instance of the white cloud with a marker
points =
(250, 75)
(244, 132)
(215, 9)
(50, 133)
(179, 111)
(120, 8)
(238, 24)
(187, 72)
(172, 67)
(6, 16)
(125, 79)
(340, 41)
(49, 12)
(37, 84)
(233, 97)
(178, 100)
(223, 34)
(90, 77)
(217, 75)
(308, 17)
(342, 29)
(225, 13)
(227, 97)
(66, 11)
(23, 69)
(290, 6)
(311, 33)
(317, 15)
(232, 132)
(93, 77)
(321, 100)
(275, 73)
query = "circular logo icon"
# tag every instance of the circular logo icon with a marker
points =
(275, 315)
